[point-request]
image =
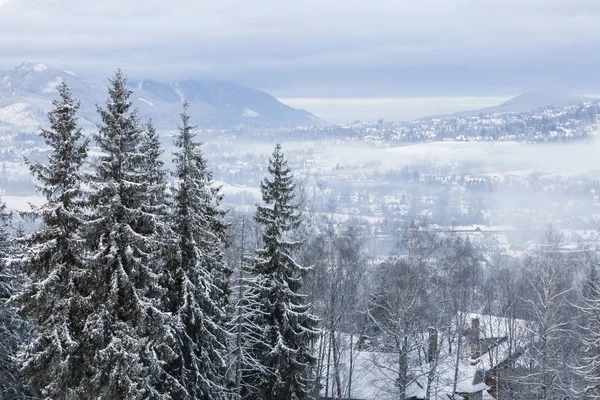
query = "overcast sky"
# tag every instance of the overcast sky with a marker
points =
(318, 48)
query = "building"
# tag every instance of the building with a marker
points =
(369, 370)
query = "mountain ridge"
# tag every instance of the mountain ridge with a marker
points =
(213, 103)
(528, 101)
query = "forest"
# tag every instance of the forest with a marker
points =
(139, 284)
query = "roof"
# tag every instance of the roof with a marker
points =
(375, 372)
(479, 228)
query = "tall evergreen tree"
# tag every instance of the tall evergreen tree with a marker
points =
(123, 331)
(56, 297)
(13, 330)
(197, 273)
(288, 327)
(158, 350)
(153, 169)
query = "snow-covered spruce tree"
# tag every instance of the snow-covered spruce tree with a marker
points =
(13, 330)
(127, 328)
(153, 170)
(288, 327)
(196, 290)
(156, 211)
(55, 296)
(155, 208)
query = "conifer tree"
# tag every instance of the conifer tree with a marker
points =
(288, 327)
(123, 331)
(20, 230)
(197, 273)
(155, 207)
(13, 330)
(56, 297)
(158, 350)
(153, 169)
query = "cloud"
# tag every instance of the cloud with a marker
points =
(286, 45)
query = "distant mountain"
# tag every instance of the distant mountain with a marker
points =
(217, 103)
(26, 95)
(525, 102)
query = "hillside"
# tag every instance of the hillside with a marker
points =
(27, 91)
(530, 101)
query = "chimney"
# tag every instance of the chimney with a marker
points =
(475, 328)
(474, 338)
(433, 344)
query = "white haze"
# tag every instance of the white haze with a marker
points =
(565, 159)
(344, 110)
(572, 158)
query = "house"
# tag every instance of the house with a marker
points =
(494, 237)
(368, 369)
(568, 252)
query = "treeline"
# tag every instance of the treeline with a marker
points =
(124, 290)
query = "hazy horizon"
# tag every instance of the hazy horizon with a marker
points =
(342, 110)
(347, 110)
(462, 48)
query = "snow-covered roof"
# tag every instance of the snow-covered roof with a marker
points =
(482, 228)
(491, 326)
(375, 372)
